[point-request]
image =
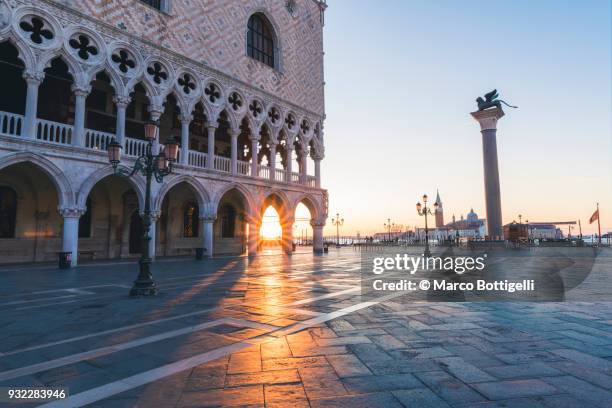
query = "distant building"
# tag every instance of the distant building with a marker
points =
(544, 231)
(470, 227)
(439, 211)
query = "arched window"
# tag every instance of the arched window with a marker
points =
(8, 212)
(228, 221)
(260, 40)
(191, 220)
(85, 222)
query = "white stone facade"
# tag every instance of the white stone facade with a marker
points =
(57, 169)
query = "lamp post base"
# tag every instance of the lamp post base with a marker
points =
(144, 285)
(139, 291)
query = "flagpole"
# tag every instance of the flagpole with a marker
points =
(598, 224)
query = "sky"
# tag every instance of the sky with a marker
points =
(402, 77)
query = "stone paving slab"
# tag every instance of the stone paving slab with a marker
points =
(386, 354)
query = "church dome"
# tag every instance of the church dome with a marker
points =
(472, 216)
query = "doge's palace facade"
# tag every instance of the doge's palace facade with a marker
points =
(238, 82)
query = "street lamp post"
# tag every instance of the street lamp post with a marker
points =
(389, 225)
(149, 165)
(424, 211)
(338, 222)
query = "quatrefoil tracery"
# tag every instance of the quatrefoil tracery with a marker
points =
(235, 100)
(124, 61)
(82, 44)
(213, 92)
(37, 30)
(290, 121)
(255, 108)
(187, 83)
(157, 72)
(274, 115)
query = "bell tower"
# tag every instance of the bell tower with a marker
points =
(439, 211)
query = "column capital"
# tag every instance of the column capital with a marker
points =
(33, 77)
(212, 125)
(185, 118)
(81, 90)
(71, 212)
(153, 214)
(121, 101)
(488, 118)
(317, 156)
(156, 111)
(317, 223)
(208, 217)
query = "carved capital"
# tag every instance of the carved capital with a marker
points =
(317, 223)
(33, 77)
(155, 111)
(488, 118)
(185, 118)
(208, 212)
(122, 101)
(71, 212)
(81, 90)
(153, 214)
(212, 125)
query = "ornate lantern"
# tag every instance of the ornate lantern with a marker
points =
(114, 152)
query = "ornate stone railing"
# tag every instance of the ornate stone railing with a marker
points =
(97, 140)
(311, 181)
(53, 132)
(134, 147)
(11, 123)
(280, 175)
(197, 159)
(244, 168)
(59, 133)
(263, 171)
(223, 164)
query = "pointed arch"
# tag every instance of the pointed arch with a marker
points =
(46, 59)
(279, 200)
(136, 182)
(64, 189)
(195, 186)
(250, 207)
(25, 53)
(312, 203)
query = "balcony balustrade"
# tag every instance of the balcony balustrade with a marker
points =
(11, 124)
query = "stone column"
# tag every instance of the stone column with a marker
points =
(317, 235)
(304, 165)
(210, 157)
(317, 162)
(70, 237)
(253, 239)
(234, 155)
(287, 235)
(289, 161)
(254, 152)
(155, 113)
(208, 216)
(33, 81)
(80, 97)
(153, 233)
(272, 161)
(185, 121)
(488, 125)
(122, 103)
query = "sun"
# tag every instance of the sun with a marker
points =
(270, 226)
